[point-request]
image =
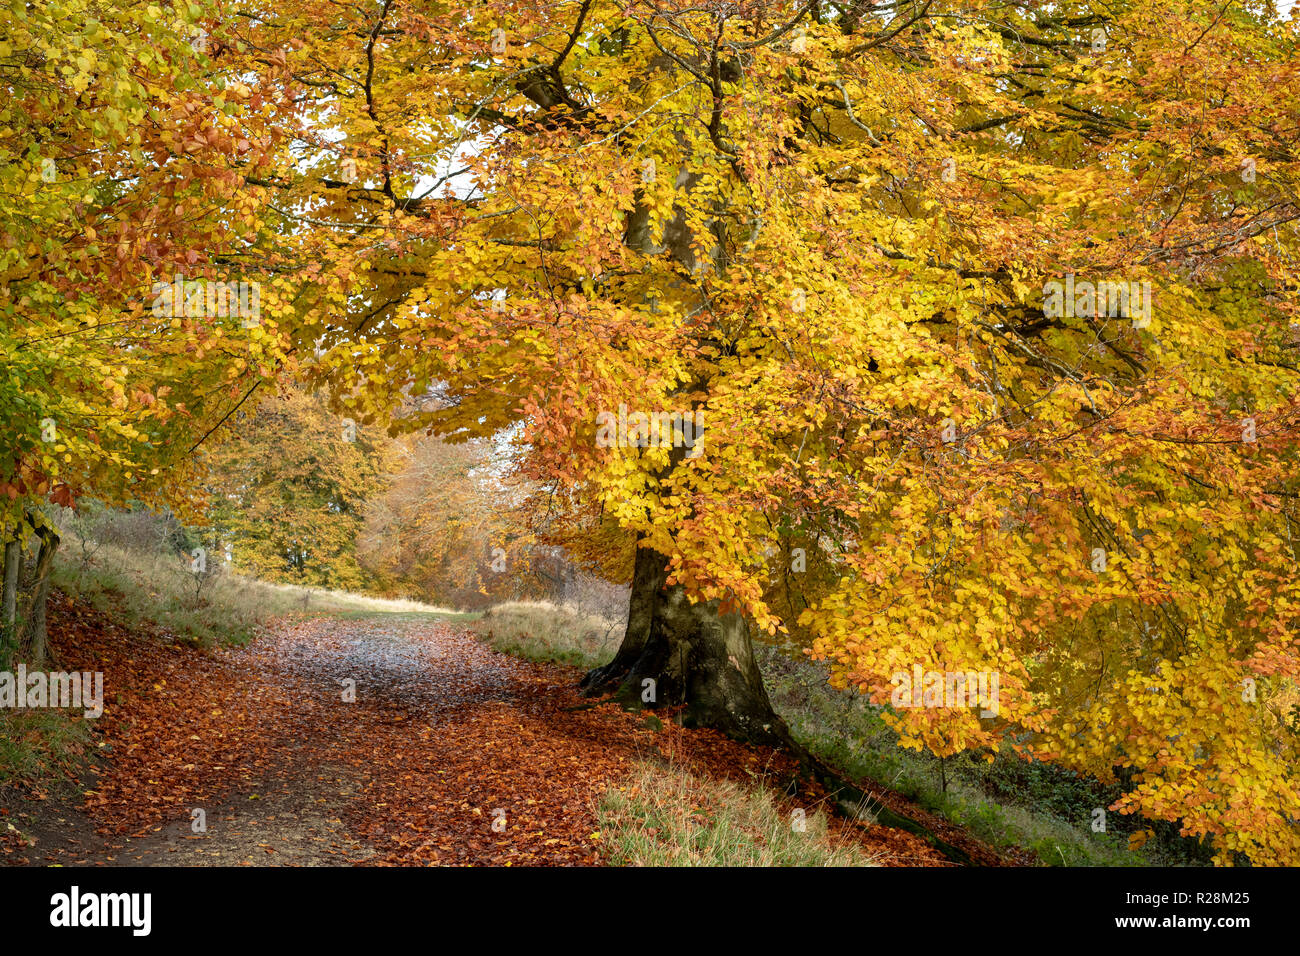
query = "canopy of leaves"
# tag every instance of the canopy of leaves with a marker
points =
(831, 231)
(122, 162)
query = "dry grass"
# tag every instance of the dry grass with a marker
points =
(216, 608)
(332, 601)
(663, 816)
(541, 631)
(837, 726)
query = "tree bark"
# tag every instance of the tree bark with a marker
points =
(676, 654)
(702, 662)
(9, 594)
(33, 636)
(697, 658)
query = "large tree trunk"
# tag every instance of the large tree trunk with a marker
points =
(702, 661)
(698, 659)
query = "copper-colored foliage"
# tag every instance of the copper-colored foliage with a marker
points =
(443, 734)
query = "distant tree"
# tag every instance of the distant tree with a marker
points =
(288, 486)
(455, 527)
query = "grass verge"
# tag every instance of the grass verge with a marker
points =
(216, 607)
(539, 631)
(37, 746)
(1010, 802)
(663, 816)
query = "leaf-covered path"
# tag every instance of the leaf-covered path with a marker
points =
(381, 740)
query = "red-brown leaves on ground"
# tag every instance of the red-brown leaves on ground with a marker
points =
(444, 738)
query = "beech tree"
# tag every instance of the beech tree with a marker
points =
(952, 337)
(122, 211)
(985, 310)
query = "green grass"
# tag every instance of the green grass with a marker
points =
(39, 745)
(663, 816)
(538, 631)
(222, 608)
(1008, 802)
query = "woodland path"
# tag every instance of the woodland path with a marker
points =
(443, 736)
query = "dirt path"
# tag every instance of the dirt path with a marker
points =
(392, 740)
